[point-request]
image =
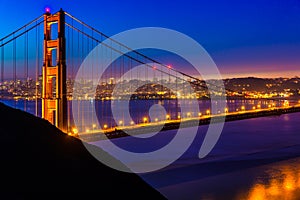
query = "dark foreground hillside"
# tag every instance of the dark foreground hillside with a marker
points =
(39, 161)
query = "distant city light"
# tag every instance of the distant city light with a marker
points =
(75, 131)
(286, 103)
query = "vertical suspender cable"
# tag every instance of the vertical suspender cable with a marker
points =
(68, 78)
(176, 97)
(36, 70)
(169, 91)
(14, 70)
(110, 75)
(2, 63)
(93, 59)
(78, 63)
(122, 81)
(81, 60)
(26, 79)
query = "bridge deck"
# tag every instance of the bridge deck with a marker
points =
(187, 122)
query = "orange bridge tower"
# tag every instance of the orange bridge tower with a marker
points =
(54, 89)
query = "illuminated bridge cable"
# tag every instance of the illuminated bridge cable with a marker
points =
(148, 58)
(14, 69)
(26, 78)
(117, 42)
(37, 50)
(2, 64)
(26, 25)
(197, 81)
(138, 53)
(19, 35)
(69, 52)
(130, 57)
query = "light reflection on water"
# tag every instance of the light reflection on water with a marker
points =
(282, 182)
(254, 159)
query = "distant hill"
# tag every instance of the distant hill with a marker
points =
(262, 84)
(39, 161)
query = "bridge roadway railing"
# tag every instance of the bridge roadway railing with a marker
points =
(116, 132)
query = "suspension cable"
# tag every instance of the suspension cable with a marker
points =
(130, 57)
(19, 35)
(28, 24)
(2, 63)
(140, 54)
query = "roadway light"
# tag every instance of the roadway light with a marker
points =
(145, 119)
(168, 117)
(105, 126)
(75, 130)
(199, 114)
(286, 103)
(273, 104)
(132, 123)
(188, 114)
(120, 122)
(243, 108)
(208, 112)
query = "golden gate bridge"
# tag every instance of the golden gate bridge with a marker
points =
(39, 62)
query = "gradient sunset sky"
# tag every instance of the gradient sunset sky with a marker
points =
(245, 38)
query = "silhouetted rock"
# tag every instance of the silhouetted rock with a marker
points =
(38, 160)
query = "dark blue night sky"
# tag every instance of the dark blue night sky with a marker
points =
(245, 38)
